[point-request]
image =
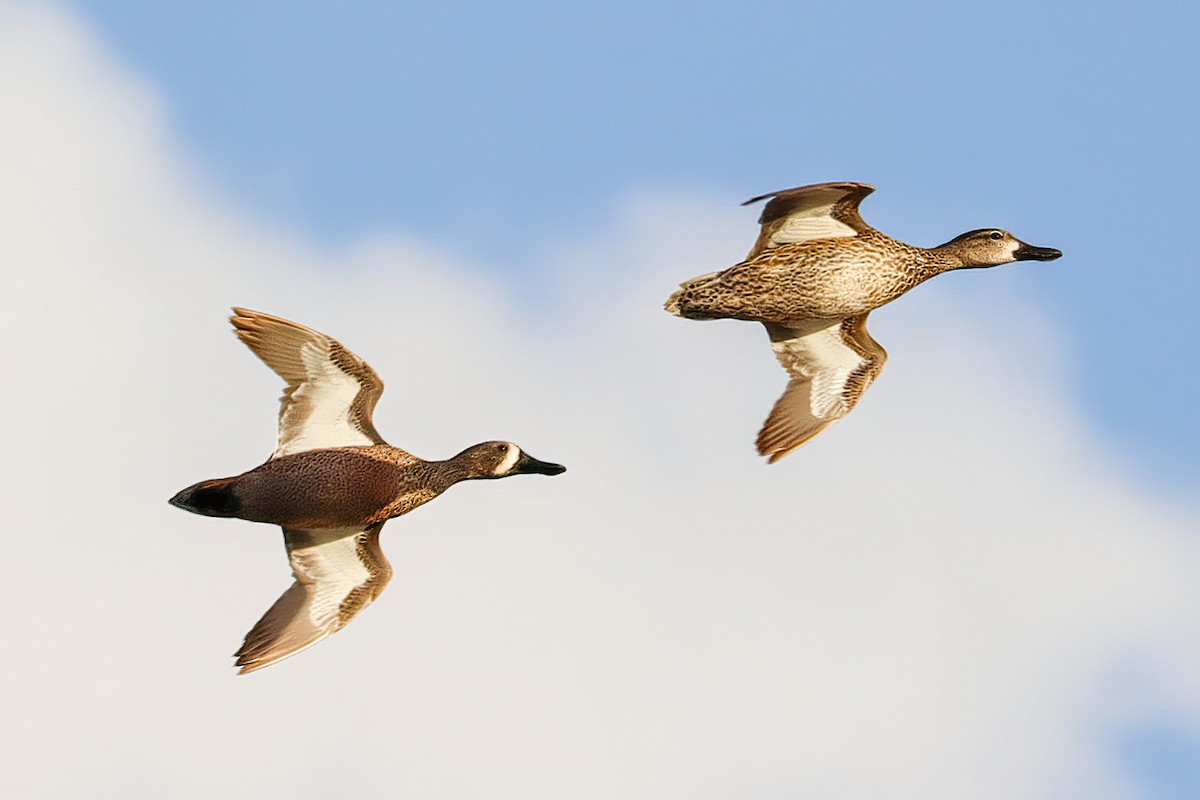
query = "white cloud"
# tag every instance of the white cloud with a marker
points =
(956, 592)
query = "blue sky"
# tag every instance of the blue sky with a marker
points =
(529, 170)
(495, 128)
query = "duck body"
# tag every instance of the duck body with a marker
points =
(331, 484)
(812, 277)
(328, 488)
(800, 282)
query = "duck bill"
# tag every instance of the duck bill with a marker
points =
(1027, 252)
(528, 465)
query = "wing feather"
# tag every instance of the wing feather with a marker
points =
(831, 367)
(820, 211)
(338, 573)
(330, 392)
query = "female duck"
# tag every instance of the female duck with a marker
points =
(815, 273)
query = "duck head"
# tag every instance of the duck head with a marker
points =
(501, 459)
(990, 247)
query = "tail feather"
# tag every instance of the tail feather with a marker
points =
(213, 498)
(687, 301)
(672, 304)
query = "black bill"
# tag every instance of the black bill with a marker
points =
(527, 464)
(1027, 252)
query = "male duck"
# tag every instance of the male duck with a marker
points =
(331, 484)
(815, 273)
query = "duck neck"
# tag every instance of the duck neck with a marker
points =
(937, 261)
(450, 472)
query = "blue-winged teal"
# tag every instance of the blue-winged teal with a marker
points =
(815, 273)
(331, 484)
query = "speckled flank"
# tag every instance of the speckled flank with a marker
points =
(819, 279)
(813, 275)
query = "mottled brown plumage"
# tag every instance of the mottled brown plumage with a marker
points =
(330, 484)
(814, 274)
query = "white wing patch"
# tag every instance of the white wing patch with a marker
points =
(324, 399)
(812, 223)
(807, 213)
(332, 569)
(825, 360)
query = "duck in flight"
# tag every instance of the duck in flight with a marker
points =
(331, 484)
(814, 274)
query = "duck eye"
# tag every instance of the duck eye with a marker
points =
(997, 235)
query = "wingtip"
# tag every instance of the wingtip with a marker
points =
(774, 443)
(240, 313)
(782, 446)
(773, 455)
(247, 668)
(242, 320)
(247, 663)
(253, 657)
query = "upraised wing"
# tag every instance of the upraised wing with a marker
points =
(831, 368)
(338, 573)
(820, 211)
(330, 392)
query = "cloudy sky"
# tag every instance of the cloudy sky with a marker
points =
(981, 584)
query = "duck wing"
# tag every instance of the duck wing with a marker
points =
(820, 211)
(330, 392)
(338, 573)
(831, 367)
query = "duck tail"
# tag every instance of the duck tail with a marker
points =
(688, 299)
(213, 498)
(673, 304)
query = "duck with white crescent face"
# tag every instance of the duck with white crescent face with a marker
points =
(331, 484)
(814, 274)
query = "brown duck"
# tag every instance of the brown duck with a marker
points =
(815, 273)
(331, 484)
